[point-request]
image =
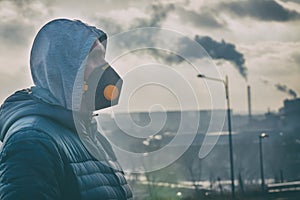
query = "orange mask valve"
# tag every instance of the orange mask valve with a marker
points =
(111, 92)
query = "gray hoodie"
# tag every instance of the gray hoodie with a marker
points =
(58, 60)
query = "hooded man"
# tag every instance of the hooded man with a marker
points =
(51, 147)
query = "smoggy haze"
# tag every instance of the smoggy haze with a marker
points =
(254, 41)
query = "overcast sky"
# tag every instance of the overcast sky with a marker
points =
(254, 42)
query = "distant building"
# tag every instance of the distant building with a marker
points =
(291, 114)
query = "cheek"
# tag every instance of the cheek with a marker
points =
(88, 71)
(92, 64)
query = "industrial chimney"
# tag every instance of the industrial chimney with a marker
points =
(249, 103)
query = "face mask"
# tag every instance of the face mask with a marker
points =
(102, 88)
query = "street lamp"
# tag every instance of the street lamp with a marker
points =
(225, 82)
(262, 136)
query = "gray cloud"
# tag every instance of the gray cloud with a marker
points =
(285, 89)
(202, 19)
(296, 58)
(30, 8)
(15, 32)
(18, 25)
(158, 13)
(109, 26)
(265, 10)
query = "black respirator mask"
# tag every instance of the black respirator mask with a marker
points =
(102, 88)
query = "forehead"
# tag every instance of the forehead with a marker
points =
(98, 44)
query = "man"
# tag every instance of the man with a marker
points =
(51, 147)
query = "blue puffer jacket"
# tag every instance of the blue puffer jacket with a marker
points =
(43, 158)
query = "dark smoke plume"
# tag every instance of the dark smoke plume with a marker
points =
(285, 89)
(223, 50)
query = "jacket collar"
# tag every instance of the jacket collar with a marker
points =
(40, 102)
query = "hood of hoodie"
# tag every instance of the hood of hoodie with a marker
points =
(58, 58)
(34, 101)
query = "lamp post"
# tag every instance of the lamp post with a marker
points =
(225, 82)
(262, 136)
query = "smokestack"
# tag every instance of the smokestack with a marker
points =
(249, 103)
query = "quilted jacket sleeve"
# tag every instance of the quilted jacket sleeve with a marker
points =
(30, 167)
